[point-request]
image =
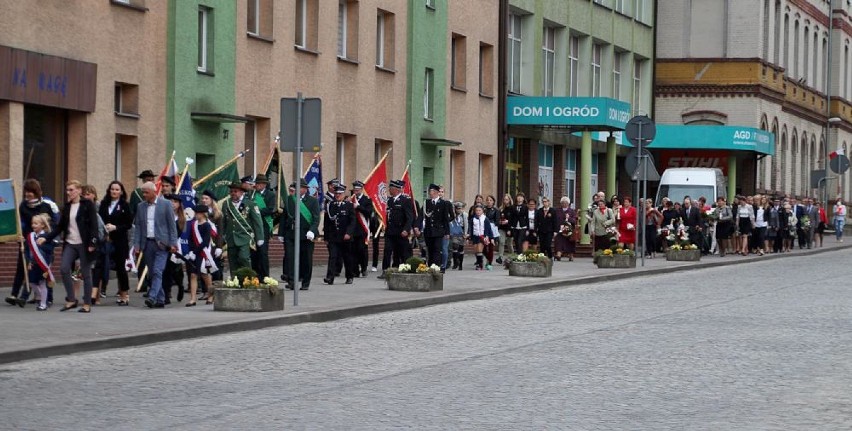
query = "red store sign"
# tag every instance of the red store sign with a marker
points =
(694, 159)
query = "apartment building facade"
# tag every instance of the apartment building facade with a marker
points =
(778, 66)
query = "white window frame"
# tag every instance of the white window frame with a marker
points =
(342, 15)
(117, 167)
(380, 38)
(304, 20)
(254, 147)
(571, 176)
(515, 50)
(636, 103)
(574, 65)
(617, 59)
(428, 83)
(203, 28)
(452, 189)
(430, 4)
(620, 6)
(639, 11)
(597, 54)
(256, 30)
(548, 50)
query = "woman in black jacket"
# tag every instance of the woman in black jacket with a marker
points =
(78, 226)
(118, 220)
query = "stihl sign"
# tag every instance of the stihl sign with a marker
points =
(694, 159)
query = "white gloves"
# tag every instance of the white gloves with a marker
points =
(176, 260)
(280, 238)
(260, 243)
(218, 252)
(190, 256)
(309, 236)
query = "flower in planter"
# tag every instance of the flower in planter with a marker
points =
(404, 267)
(531, 256)
(675, 247)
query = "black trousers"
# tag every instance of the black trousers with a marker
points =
(359, 254)
(397, 250)
(545, 244)
(173, 275)
(260, 260)
(376, 242)
(306, 261)
(435, 247)
(340, 253)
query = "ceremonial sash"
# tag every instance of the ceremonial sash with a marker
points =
(241, 221)
(38, 257)
(363, 222)
(207, 256)
(303, 209)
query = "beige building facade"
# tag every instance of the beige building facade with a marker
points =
(83, 91)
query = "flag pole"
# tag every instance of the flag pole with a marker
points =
(268, 160)
(316, 156)
(280, 178)
(220, 168)
(20, 236)
(377, 165)
(182, 176)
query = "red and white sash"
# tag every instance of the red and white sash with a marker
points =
(38, 257)
(208, 265)
(363, 222)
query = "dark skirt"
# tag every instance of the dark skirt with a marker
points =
(531, 237)
(602, 242)
(724, 229)
(745, 226)
(565, 244)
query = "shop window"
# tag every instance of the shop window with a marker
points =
(458, 63)
(126, 101)
(486, 70)
(259, 18)
(347, 29)
(307, 24)
(385, 39)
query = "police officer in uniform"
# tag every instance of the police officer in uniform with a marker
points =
(438, 214)
(363, 213)
(242, 226)
(309, 212)
(338, 230)
(400, 219)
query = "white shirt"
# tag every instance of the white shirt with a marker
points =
(73, 235)
(149, 217)
(478, 225)
(112, 206)
(531, 216)
(759, 219)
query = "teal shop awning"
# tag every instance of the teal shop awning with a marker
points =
(680, 137)
(575, 113)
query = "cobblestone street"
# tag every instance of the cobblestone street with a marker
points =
(754, 346)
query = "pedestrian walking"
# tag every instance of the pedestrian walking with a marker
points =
(118, 220)
(201, 254)
(39, 258)
(839, 219)
(155, 235)
(307, 208)
(338, 230)
(568, 230)
(242, 228)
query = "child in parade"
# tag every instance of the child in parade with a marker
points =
(481, 234)
(39, 258)
(457, 228)
(201, 254)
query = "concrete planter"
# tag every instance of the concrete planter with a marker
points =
(616, 261)
(531, 269)
(230, 299)
(684, 255)
(415, 282)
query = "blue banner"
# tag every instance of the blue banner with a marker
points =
(314, 179)
(186, 192)
(706, 137)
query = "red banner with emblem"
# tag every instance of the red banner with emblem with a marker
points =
(376, 187)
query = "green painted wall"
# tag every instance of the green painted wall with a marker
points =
(192, 91)
(427, 48)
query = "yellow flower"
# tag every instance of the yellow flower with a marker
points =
(619, 250)
(607, 252)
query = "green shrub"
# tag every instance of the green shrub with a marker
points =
(244, 272)
(414, 261)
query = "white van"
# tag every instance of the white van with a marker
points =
(677, 183)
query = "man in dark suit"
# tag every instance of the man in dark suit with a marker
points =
(400, 219)
(813, 214)
(308, 210)
(338, 230)
(363, 213)
(691, 217)
(156, 239)
(799, 210)
(268, 210)
(438, 215)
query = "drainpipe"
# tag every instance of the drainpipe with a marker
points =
(502, 128)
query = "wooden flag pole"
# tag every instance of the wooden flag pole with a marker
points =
(377, 165)
(316, 156)
(182, 176)
(239, 155)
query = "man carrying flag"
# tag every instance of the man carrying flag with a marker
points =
(400, 219)
(363, 212)
(260, 257)
(307, 207)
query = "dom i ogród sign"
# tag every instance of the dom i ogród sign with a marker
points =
(593, 112)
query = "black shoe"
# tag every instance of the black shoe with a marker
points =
(149, 303)
(145, 295)
(499, 261)
(68, 307)
(382, 276)
(348, 281)
(288, 287)
(364, 273)
(11, 300)
(328, 280)
(21, 302)
(168, 301)
(304, 288)
(159, 305)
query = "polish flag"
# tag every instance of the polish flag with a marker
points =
(835, 153)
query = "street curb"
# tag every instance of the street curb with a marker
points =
(348, 312)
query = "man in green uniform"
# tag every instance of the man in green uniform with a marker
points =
(309, 212)
(242, 227)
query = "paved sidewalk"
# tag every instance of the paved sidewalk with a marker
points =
(31, 334)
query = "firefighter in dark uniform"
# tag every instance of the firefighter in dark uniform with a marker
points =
(438, 214)
(400, 219)
(363, 213)
(338, 231)
(328, 198)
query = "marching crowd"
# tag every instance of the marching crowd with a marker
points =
(151, 232)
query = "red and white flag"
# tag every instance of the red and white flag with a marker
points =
(170, 170)
(406, 189)
(835, 153)
(376, 187)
